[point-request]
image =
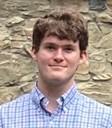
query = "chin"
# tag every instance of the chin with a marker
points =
(59, 80)
(58, 77)
(56, 82)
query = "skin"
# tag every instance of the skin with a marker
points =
(57, 62)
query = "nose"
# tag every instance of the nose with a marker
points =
(58, 56)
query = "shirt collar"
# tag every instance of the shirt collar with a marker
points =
(64, 100)
(36, 95)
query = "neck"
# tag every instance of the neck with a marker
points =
(54, 90)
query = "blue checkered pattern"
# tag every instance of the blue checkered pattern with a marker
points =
(75, 111)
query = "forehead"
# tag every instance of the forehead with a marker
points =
(55, 40)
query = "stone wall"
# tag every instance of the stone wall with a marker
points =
(17, 69)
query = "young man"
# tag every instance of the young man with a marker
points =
(59, 46)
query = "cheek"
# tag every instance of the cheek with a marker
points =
(74, 60)
(43, 58)
(74, 65)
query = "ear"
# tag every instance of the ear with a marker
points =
(83, 57)
(33, 54)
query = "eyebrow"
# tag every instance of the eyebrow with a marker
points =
(63, 45)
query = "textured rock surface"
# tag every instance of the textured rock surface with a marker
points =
(17, 70)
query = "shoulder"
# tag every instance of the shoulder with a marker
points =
(15, 111)
(95, 108)
(15, 104)
(92, 103)
(90, 112)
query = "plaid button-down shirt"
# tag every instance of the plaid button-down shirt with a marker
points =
(74, 111)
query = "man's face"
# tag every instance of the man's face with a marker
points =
(58, 59)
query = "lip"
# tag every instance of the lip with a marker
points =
(62, 66)
(57, 67)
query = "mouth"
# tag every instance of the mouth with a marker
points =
(62, 66)
(57, 67)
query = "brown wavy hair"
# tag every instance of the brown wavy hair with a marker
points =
(65, 24)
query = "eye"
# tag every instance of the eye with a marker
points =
(68, 49)
(50, 47)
